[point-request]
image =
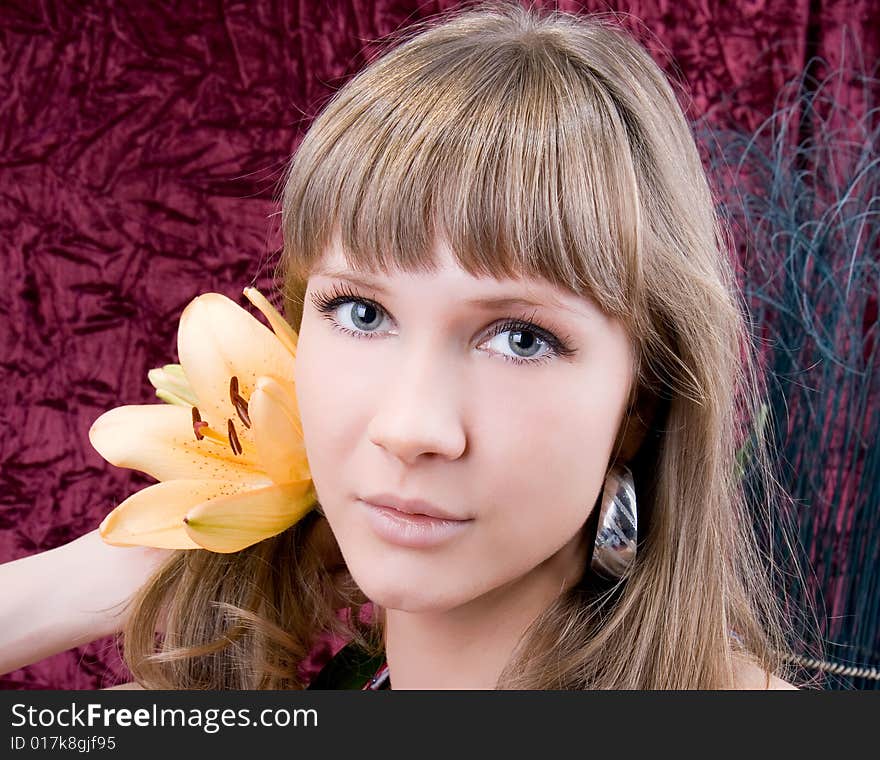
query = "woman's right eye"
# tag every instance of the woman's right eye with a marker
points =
(362, 313)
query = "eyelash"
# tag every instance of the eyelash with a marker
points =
(327, 302)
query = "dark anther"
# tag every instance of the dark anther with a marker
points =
(238, 401)
(197, 423)
(233, 438)
(242, 408)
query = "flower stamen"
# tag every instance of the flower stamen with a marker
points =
(198, 423)
(203, 430)
(233, 438)
(239, 402)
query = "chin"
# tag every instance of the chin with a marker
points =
(392, 594)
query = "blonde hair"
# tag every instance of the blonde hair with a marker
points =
(537, 144)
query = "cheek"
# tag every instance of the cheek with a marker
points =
(554, 445)
(333, 402)
(532, 516)
(325, 381)
(318, 400)
(550, 462)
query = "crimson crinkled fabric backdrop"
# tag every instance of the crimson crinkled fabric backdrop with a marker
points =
(141, 146)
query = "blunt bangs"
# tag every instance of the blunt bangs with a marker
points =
(516, 154)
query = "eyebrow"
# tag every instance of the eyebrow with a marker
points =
(486, 301)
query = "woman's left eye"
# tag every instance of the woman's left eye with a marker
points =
(524, 338)
(525, 341)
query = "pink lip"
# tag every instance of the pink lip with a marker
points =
(410, 506)
(416, 531)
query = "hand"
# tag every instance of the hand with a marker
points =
(69, 596)
(115, 574)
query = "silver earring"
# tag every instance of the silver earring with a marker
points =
(614, 550)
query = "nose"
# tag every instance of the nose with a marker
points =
(419, 412)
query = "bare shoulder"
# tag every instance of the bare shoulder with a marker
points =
(129, 685)
(750, 676)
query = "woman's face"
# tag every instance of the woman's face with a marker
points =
(423, 399)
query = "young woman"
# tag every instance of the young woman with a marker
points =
(523, 378)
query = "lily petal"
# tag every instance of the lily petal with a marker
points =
(278, 431)
(286, 334)
(154, 515)
(158, 439)
(232, 523)
(218, 339)
(170, 398)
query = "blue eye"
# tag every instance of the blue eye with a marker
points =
(524, 337)
(364, 312)
(361, 313)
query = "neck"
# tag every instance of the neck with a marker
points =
(467, 647)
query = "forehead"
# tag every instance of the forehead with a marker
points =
(451, 282)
